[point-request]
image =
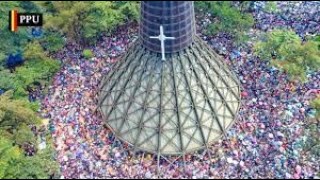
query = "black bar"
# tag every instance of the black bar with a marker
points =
(30, 23)
(9, 21)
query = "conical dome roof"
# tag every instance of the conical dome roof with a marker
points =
(170, 107)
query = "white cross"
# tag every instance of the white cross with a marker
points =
(162, 38)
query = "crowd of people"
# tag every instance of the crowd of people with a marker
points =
(302, 17)
(265, 142)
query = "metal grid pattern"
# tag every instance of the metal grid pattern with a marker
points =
(170, 107)
(177, 19)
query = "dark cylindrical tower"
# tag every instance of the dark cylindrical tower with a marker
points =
(177, 19)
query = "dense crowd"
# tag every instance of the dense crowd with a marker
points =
(265, 142)
(303, 17)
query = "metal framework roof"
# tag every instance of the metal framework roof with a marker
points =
(170, 107)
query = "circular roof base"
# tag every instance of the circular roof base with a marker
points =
(170, 107)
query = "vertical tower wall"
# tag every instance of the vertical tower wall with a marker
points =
(177, 19)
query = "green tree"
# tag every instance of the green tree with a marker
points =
(34, 51)
(130, 10)
(5, 7)
(82, 22)
(27, 168)
(24, 135)
(29, 6)
(15, 113)
(316, 39)
(316, 105)
(6, 79)
(15, 116)
(38, 67)
(47, 159)
(13, 164)
(33, 71)
(2, 59)
(11, 42)
(8, 154)
(285, 50)
(226, 18)
(87, 53)
(52, 41)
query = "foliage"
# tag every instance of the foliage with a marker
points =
(2, 58)
(47, 159)
(35, 106)
(316, 39)
(5, 7)
(226, 18)
(26, 168)
(13, 164)
(34, 51)
(316, 105)
(28, 5)
(130, 10)
(245, 6)
(11, 42)
(32, 71)
(82, 22)
(15, 113)
(8, 155)
(52, 41)
(15, 116)
(37, 68)
(23, 135)
(286, 51)
(312, 144)
(87, 53)
(35, 71)
(6, 80)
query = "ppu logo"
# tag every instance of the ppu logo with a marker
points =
(24, 19)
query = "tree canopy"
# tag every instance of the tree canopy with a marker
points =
(226, 18)
(285, 50)
(15, 117)
(8, 155)
(83, 22)
(13, 164)
(17, 114)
